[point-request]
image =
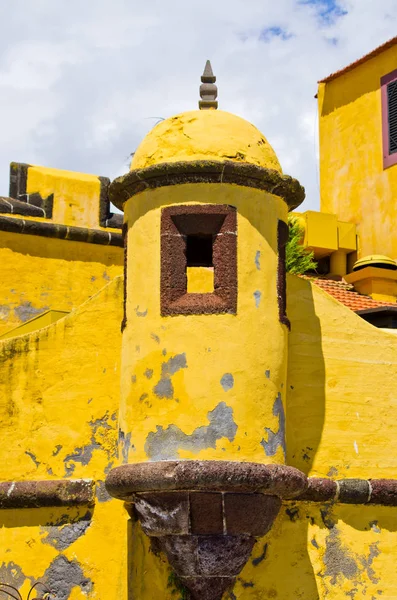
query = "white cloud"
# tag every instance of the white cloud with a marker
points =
(82, 82)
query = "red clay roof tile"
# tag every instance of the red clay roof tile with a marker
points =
(345, 294)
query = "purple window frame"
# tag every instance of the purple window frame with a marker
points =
(388, 159)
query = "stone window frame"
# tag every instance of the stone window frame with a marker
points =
(388, 159)
(282, 239)
(179, 221)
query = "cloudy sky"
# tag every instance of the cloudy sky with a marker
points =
(82, 81)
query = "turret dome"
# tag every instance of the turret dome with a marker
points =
(213, 135)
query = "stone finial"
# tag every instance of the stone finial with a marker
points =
(208, 89)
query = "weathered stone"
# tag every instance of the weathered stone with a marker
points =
(252, 514)
(319, 489)
(222, 555)
(206, 171)
(163, 513)
(36, 494)
(227, 476)
(353, 491)
(207, 588)
(181, 552)
(383, 491)
(63, 232)
(206, 513)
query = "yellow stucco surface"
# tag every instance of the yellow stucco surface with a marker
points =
(46, 318)
(219, 373)
(76, 195)
(186, 137)
(38, 274)
(341, 401)
(59, 396)
(59, 412)
(341, 409)
(353, 183)
(78, 398)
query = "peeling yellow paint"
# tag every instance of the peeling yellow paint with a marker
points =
(163, 414)
(205, 135)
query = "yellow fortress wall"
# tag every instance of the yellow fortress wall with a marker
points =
(59, 403)
(245, 418)
(318, 551)
(38, 270)
(354, 185)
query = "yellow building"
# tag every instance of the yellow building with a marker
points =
(202, 425)
(354, 230)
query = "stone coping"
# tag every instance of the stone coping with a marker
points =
(210, 475)
(206, 171)
(62, 232)
(17, 207)
(39, 494)
(128, 482)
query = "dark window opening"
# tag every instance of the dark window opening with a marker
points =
(199, 251)
(392, 116)
(389, 118)
(203, 235)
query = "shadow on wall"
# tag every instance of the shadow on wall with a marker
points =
(143, 557)
(305, 399)
(305, 411)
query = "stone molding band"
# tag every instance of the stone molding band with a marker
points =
(206, 171)
(209, 475)
(126, 481)
(40, 494)
(351, 491)
(62, 232)
(17, 207)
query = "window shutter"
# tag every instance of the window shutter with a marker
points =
(392, 116)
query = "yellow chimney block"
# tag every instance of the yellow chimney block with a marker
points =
(380, 284)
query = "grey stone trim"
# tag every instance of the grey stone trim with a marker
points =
(38, 494)
(63, 232)
(206, 171)
(106, 217)
(18, 179)
(209, 475)
(18, 191)
(351, 491)
(17, 207)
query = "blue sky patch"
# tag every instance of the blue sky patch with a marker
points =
(274, 32)
(328, 11)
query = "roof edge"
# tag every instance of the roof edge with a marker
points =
(389, 44)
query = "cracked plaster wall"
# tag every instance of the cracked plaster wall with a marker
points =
(59, 398)
(38, 274)
(208, 395)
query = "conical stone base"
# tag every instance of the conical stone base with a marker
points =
(211, 588)
(206, 515)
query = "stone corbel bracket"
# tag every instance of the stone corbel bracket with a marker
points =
(205, 515)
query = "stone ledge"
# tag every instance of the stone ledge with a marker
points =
(206, 171)
(17, 207)
(62, 232)
(226, 476)
(351, 491)
(39, 494)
